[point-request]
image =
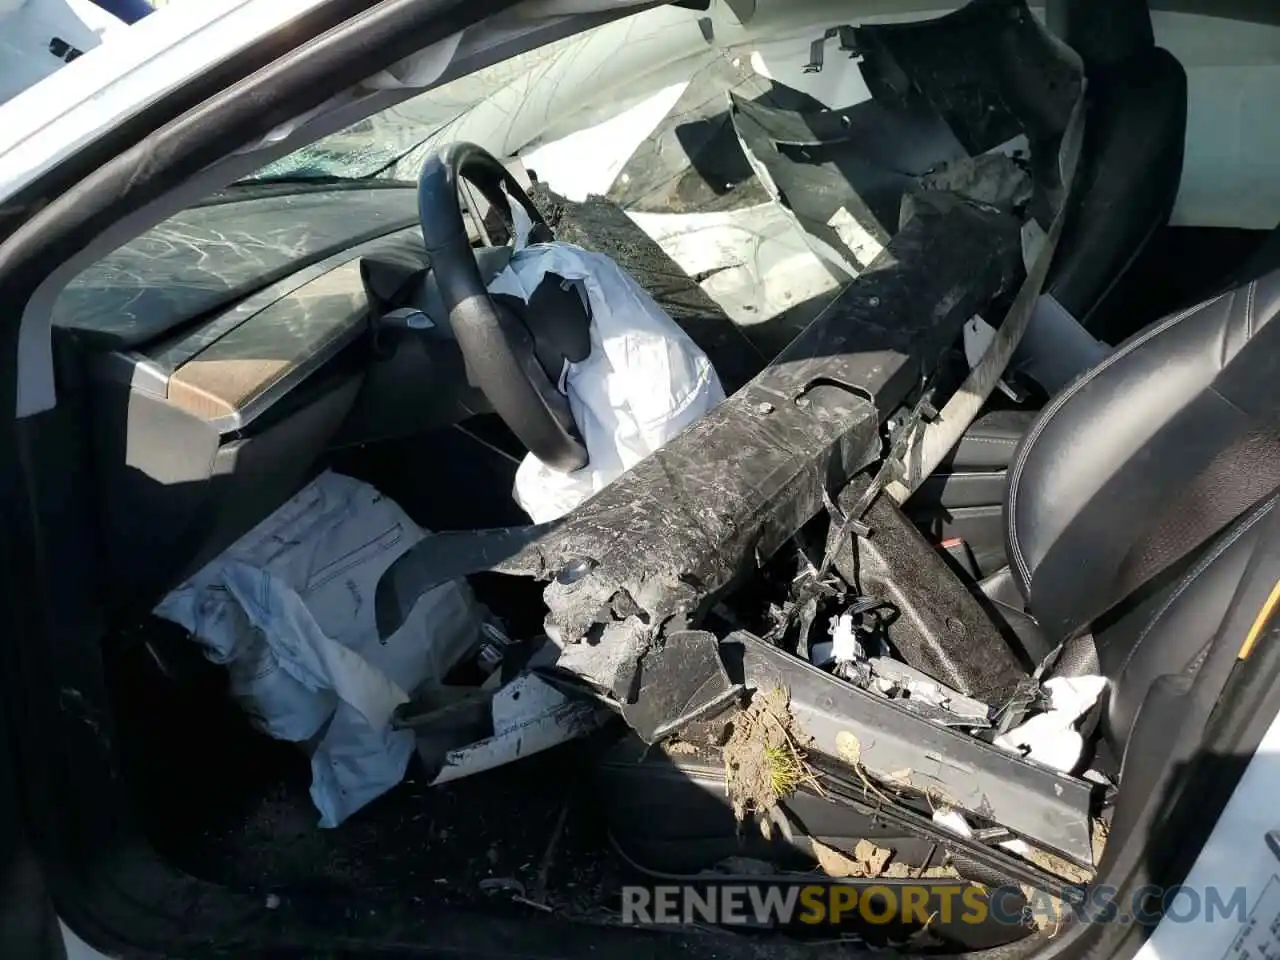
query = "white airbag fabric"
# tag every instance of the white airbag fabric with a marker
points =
(289, 609)
(643, 382)
(1051, 738)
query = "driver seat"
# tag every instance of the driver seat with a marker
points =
(1140, 503)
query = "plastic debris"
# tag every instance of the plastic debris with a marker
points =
(847, 656)
(918, 691)
(954, 821)
(845, 647)
(1050, 738)
(529, 716)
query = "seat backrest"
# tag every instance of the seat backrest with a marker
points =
(1130, 170)
(1108, 457)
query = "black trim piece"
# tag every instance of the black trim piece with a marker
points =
(1049, 808)
(243, 190)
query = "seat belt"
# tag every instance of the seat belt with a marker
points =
(931, 442)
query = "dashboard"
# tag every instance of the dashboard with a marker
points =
(231, 367)
(219, 252)
(204, 420)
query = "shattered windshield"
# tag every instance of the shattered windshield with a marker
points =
(534, 97)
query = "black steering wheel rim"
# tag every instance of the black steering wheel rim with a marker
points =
(498, 348)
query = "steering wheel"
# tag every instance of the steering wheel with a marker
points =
(504, 342)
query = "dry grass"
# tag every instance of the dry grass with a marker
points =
(764, 757)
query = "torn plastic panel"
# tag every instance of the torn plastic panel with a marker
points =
(691, 161)
(895, 747)
(941, 628)
(844, 192)
(988, 70)
(1054, 163)
(461, 731)
(944, 91)
(920, 694)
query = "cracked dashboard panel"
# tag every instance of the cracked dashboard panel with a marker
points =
(231, 368)
(218, 253)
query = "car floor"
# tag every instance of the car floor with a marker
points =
(230, 806)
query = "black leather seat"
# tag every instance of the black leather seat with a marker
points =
(1118, 455)
(1130, 170)
(963, 499)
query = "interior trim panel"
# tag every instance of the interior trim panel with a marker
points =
(232, 368)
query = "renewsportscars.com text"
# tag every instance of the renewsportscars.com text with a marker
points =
(922, 903)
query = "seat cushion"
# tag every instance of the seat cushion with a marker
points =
(990, 442)
(963, 499)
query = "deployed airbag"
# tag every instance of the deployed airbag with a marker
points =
(642, 383)
(288, 609)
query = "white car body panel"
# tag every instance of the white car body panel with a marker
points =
(1236, 855)
(95, 93)
(30, 30)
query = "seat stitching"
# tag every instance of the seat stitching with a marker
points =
(1057, 405)
(990, 440)
(1194, 575)
(1248, 310)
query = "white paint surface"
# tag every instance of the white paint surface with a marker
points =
(1235, 856)
(588, 161)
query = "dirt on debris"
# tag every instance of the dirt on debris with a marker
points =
(1101, 832)
(868, 860)
(1063, 869)
(764, 757)
(872, 862)
(765, 762)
